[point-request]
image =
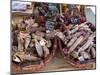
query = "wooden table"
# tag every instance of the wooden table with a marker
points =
(58, 63)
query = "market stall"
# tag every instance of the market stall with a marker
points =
(51, 37)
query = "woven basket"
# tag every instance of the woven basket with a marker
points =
(71, 61)
(18, 68)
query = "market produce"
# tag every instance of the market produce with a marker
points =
(20, 57)
(40, 44)
(33, 44)
(38, 48)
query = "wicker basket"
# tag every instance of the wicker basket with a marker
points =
(18, 68)
(71, 61)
